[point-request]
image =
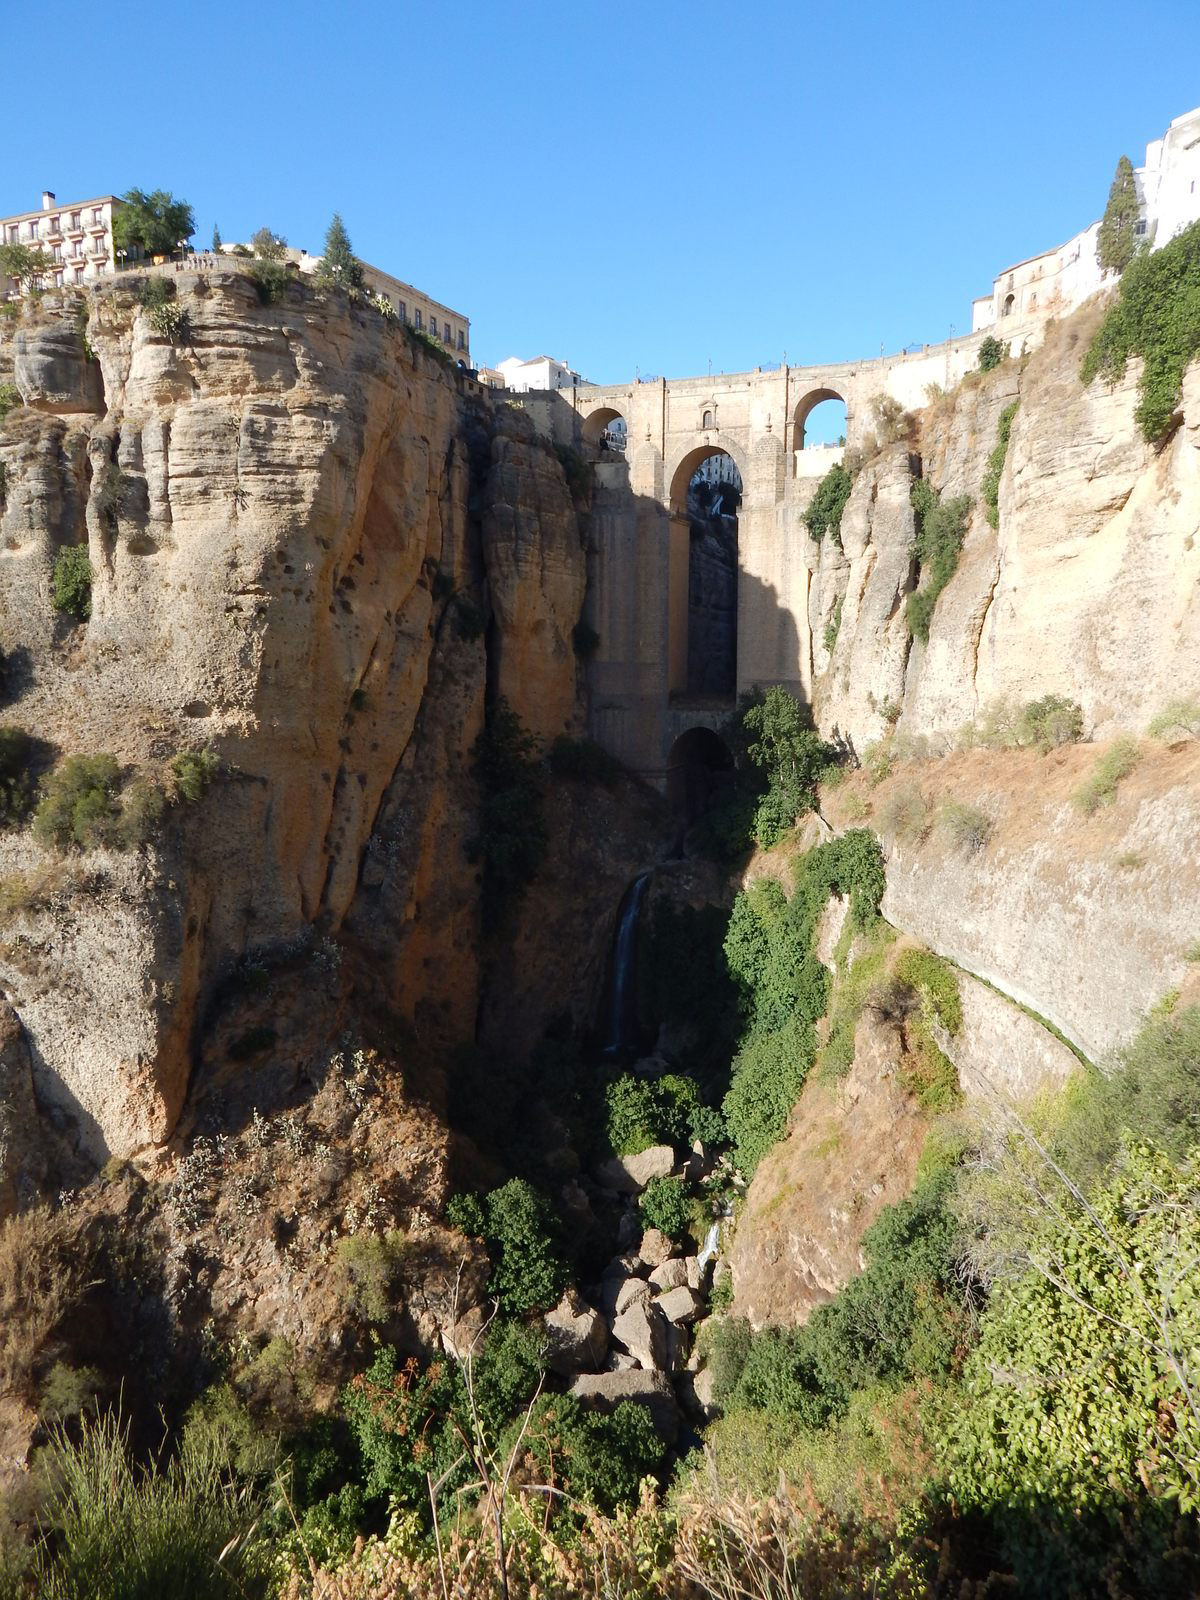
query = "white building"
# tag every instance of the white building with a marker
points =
(77, 238)
(541, 372)
(1055, 282)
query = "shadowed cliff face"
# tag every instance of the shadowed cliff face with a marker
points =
(311, 545)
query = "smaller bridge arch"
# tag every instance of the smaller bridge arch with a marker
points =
(599, 424)
(804, 408)
(685, 470)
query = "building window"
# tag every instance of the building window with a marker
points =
(75, 219)
(33, 229)
(708, 420)
(401, 311)
(55, 224)
(416, 319)
(1141, 227)
(58, 280)
(462, 340)
(101, 266)
(446, 332)
(97, 215)
(1007, 306)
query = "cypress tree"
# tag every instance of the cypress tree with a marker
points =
(1117, 239)
(216, 239)
(340, 266)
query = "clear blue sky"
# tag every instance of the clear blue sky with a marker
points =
(644, 185)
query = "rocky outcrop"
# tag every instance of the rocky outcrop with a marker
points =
(299, 526)
(1088, 588)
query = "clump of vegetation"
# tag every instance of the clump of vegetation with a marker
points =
(991, 353)
(576, 471)
(166, 316)
(10, 399)
(154, 224)
(340, 268)
(1179, 719)
(782, 986)
(520, 1229)
(513, 836)
(193, 771)
(940, 526)
(271, 279)
(71, 582)
(964, 826)
(79, 806)
(904, 813)
(1045, 724)
(824, 515)
(792, 757)
(640, 1112)
(995, 466)
(834, 626)
(666, 1205)
(1156, 316)
(371, 1264)
(1099, 788)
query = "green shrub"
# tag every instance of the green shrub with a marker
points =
(834, 626)
(165, 315)
(824, 515)
(791, 756)
(583, 760)
(370, 1264)
(1156, 316)
(513, 835)
(79, 806)
(114, 1532)
(1078, 1418)
(1178, 719)
(601, 1458)
(528, 1271)
(193, 771)
(71, 582)
(995, 466)
(271, 279)
(962, 825)
(10, 399)
(934, 980)
(991, 353)
(1099, 788)
(1049, 722)
(666, 1205)
(940, 526)
(640, 1112)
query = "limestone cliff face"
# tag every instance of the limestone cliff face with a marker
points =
(310, 546)
(1088, 588)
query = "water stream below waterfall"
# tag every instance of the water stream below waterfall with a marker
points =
(620, 1025)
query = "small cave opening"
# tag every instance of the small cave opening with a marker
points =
(699, 771)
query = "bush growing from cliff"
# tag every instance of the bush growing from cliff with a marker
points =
(995, 466)
(83, 807)
(824, 515)
(513, 835)
(16, 787)
(1099, 788)
(991, 353)
(940, 526)
(962, 825)
(790, 754)
(1157, 316)
(1178, 719)
(834, 626)
(666, 1205)
(193, 771)
(166, 316)
(271, 279)
(10, 399)
(518, 1225)
(640, 1112)
(71, 582)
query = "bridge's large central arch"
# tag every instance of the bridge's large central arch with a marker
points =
(704, 496)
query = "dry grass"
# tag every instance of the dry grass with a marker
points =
(47, 1265)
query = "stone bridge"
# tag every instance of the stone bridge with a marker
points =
(638, 593)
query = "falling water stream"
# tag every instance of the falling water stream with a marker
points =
(621, 1011)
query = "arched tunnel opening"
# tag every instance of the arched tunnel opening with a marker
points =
(699, 771)
(713, 498)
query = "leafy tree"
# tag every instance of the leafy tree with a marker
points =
(28, 266)
(665, 1205)
(518, 1224)
(1116, 242)
(940, 526)
(71, 582)
(991, 353)
(216, 238)
(339, 265)
(155, 223)
(792, 757)
(79, 804)
(268, 246)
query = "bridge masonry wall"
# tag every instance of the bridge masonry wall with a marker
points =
(639, 536)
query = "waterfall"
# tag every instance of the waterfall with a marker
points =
(621, 1011)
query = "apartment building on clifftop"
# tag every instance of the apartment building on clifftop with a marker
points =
(76, 237)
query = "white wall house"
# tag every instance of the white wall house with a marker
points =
(1055, 282)
(77, 238)
(540, 372)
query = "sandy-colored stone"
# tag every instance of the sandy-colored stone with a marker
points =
(631, 1174)
(641, 1331)
(605, 1390)
(576, 1335)
(670, 1275)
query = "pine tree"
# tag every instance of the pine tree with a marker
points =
(216, 240)
(1117, 239)
(340, 266)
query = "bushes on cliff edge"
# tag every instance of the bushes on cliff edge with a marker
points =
(995, 467)
(824, 515)
(520, 1230)
(940, 526)
(71, 582)
(1156, 315)
(83, 807)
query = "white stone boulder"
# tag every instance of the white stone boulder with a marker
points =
(576, 1336)
(671, 1275)
(680, 1305)
(631, 1174)
(655, 1247)
(640, 1329)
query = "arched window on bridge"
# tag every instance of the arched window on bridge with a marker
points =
(706, 492)
(708, 420)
